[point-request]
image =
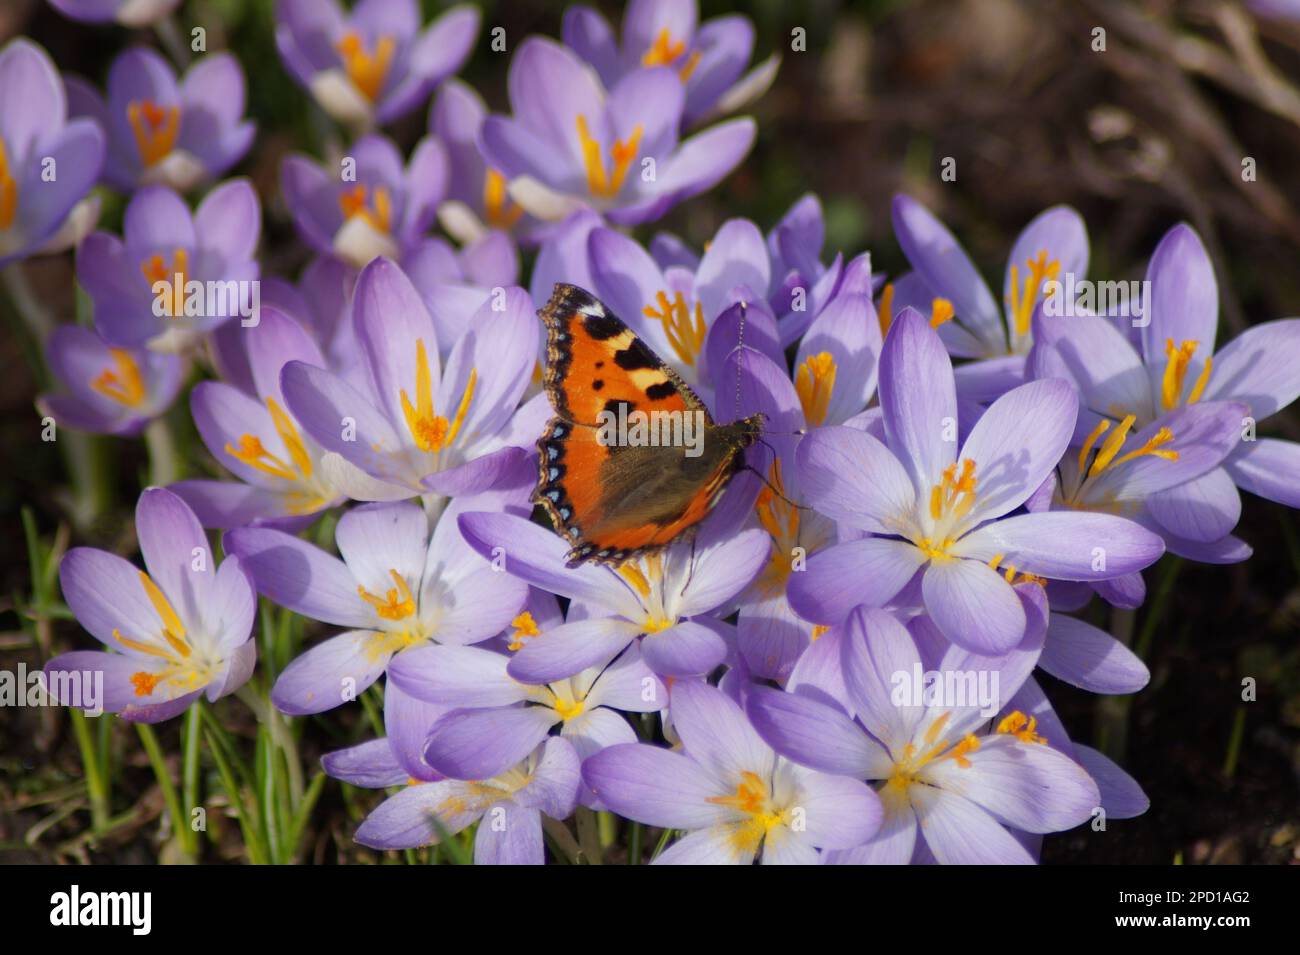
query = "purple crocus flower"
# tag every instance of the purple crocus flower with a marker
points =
(165, 246)
(370, 208)
(950, 781)
(375, 64)
(570, 144)
(770, 636)
(737, 799)
(929, 508)
(161, 132)
(947, 286)
(709, 58)
(180, 627)
(396, 587)
(47, 162)
(417, 427)
(510, 805)
(257, 439)
(107, 389)
(664, 600)
(1174, 368)
(497, 721)
(129, 13)
(677, 311)
(477, 199)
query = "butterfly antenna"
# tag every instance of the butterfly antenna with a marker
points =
(802, 507)
(740, 343)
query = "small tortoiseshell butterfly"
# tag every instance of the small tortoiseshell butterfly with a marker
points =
(613, 500)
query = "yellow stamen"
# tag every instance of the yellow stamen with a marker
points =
(155, 129)
(1114, 442)
(814, 383)
(684, 329)
(954, 496)
(1022, 302)
(1102, 427)
(144, 683)
(353, 203)
(501, 212)
(885, 310)
(431, 431)
(751, 792)
(622, 153)
(779, 518)
(940, 311)
(155, 270)
(8, 190)
(632, 574)
(1021, 727)
(568, 709)
(818, 631)
(122, 382)
(253, 453)
(525, 628)
(664, 50)
(397, 602)
(367, 71)
(173, 628)
(288, 432)
(1178, 360)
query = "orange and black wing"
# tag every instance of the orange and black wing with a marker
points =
(594, 362)
(611, 502)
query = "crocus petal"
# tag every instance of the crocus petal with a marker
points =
(1259, 367)
(1268, 467)
(973, 606)
(513, 836)
(1204, 509)
(959, 832)
(707, 847)
(1090, 658)
(893, 844)
(479, 744)
(570, 648)
(1065, 545)
(406, 723)
(175, 551)
(405, 819)
(105, 593)
(919, 399)
(840, 812)
(814, 734)
(1184, 302)
(868, 572)
(456, 676)
(874, 650)
(688, 648)
(1121, 796)
(654, 786)
(370, 765)
(299, 576)
(851, 477)
(724, 570)
(1028, 786)
(945, 267)
(330, 673)
(1016, 444)
(716, 732)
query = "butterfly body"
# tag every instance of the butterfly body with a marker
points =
(615, 493)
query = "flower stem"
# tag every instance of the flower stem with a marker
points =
(162, 452)
(96, 784)
(184, 834)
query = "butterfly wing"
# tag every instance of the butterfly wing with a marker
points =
(611, 501)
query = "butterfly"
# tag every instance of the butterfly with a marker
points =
(614, 500)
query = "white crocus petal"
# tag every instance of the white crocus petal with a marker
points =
(339, 97)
